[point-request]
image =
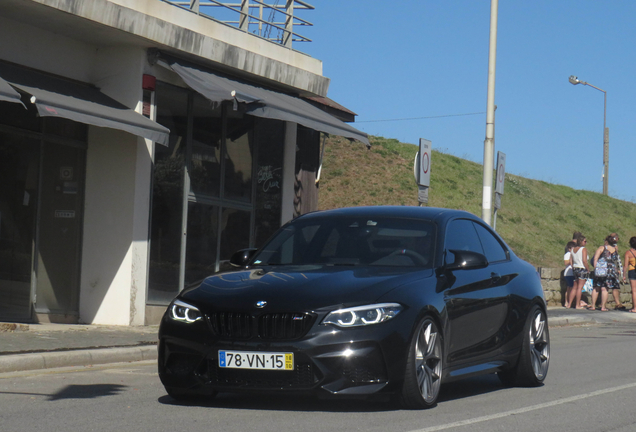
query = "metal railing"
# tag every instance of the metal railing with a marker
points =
(267, 20)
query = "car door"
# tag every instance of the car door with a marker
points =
(476, 299)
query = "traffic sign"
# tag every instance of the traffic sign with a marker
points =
(501, 173)
(423, 176)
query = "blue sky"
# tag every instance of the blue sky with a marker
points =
(429, 58)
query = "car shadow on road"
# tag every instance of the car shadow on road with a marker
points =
(271, 402)
(470, 387)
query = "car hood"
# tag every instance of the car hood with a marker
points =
(299, 288)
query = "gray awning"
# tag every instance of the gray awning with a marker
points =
(262, 102)
(59, 97)
(8, 93)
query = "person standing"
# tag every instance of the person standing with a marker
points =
(606, 272)
(568, 274)
(578, 261)
(616, 292)
(630, 270)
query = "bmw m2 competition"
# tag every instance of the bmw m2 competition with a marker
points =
(360, 302)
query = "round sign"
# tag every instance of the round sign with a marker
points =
(425, 163)
(501, 173)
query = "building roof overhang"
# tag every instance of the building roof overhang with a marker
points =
(156, 24)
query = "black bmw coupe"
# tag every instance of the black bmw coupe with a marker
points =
(358, 302)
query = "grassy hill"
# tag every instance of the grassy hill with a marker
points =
(537, 218)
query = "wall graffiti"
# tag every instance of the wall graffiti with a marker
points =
(269, 177)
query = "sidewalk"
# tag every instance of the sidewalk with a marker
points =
(559, 317)
(26, 347)
(45, 346)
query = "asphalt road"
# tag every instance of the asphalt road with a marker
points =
(591, 386)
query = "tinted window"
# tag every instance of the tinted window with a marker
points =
(494, 250)
(352, 241)
(461, 235)
(290, 245)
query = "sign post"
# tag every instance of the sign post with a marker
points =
(499, 187)
(422, 170)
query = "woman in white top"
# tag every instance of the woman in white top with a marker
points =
(568, 274)
(578, 261)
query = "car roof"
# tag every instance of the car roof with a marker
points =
(427, 213)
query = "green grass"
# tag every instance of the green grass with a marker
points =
(537, 218)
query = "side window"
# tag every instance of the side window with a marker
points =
(494, 250)
(461, 234)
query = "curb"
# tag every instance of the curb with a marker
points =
(589, 319)
(87, 357)
(564, 322)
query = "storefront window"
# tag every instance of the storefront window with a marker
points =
(270, 135)
(214, 147)
(42, 172)
(205, 172)
(201, 245)
(235, 231)
(167, 196)
(19, 159)
(238, 158)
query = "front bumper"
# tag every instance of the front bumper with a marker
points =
(354, 362)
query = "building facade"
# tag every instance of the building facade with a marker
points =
(141, 144)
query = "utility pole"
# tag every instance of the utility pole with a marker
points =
(489, 143)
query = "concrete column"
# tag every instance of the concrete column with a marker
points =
(105, 287)
(118, 180)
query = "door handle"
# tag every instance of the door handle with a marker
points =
(495, 277)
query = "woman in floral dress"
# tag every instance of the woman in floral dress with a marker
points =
(606, 256)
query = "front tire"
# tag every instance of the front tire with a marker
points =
(423, 374)
(534, 359)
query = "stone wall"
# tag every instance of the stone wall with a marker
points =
(554, 289)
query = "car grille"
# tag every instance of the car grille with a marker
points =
(272, 326)
(283, 325)
(302, 377)
(229, 325)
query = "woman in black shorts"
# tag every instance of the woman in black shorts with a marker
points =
(630, 270)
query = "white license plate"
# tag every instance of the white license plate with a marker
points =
(256, 360)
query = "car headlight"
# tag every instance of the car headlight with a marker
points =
(363, 315)
(184, 312)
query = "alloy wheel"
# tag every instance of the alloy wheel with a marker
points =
(539, 346)
(428, 362)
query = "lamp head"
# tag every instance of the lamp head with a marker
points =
(574, 80)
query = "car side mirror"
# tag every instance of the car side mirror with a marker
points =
(242, 257)
(466, 260)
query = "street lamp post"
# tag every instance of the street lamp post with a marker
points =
(574, 80)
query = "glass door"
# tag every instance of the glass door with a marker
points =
(19, 167)
(60, 228)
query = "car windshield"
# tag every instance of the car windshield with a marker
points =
(350, 242)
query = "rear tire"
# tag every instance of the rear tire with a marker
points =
(423, 373)
(534, 359)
